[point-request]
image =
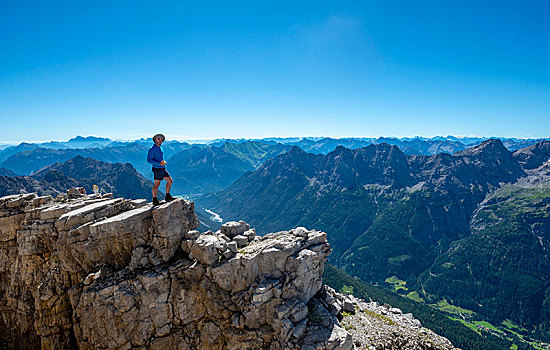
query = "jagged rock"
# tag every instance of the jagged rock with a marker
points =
(240, 240)
(206, 249)
(234, 228)
(75, 192)
(396, 311)
(381, 326)
(250, 234)
(139, 202)
(348, 306)
(232, 246)
(169, 230)
(94, 273)
(324, 331)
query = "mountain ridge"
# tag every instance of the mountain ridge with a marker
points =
(119, 179)
(385, 223)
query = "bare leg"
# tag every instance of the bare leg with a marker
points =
(156, 187)
(168, 183)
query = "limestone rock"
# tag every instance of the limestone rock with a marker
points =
(234, 228)
(381, 326)
(102, 273)
(240, 240)
(169, 229)
(205, 249)
(75, 192)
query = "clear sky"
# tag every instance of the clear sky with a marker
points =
(214, 69)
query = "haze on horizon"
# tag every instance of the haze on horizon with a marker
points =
(197, 70)
(4, 144)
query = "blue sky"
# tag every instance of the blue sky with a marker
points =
(213, 69)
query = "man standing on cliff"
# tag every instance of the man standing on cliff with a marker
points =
(155, 158)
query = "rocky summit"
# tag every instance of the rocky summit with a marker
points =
(86, 272)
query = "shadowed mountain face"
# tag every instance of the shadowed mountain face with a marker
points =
(373, 169)
(533, 156)
(120, 179)
(387, 213)
(485, 165)
(503, 267)
(200, 170)
(300, 187)
(208, 169)
(10, 151)
(25, 184)
(6, 172)
(31, 161)
(197, 169)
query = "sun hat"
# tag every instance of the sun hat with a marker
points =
(159, 135)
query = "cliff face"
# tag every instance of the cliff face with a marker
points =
(112, 273)
(103, 273)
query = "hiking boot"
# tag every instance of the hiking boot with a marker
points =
(169, 197)
(155, 201)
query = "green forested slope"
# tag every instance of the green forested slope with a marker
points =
(254, 152)
(503, 269)
(454, 227)
(460, 335)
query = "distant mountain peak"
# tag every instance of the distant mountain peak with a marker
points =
(533, 156)
(7, 172)
(88, 139)
(340, 149)
(80, 158)
(121, 179)
(542, 145)
(383, 145)
(296, 150)
(491, 146)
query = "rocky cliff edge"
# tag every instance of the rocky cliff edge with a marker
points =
(84, 272)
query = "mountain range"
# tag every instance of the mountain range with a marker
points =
(205, 168)
(199, 170)
(120, 179)
(196, 169)
(409, 145)
(25, 159)
(460, 222)
(477, 218)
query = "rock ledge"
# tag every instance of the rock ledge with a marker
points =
(88, 272)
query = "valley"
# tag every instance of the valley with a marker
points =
(464, 233)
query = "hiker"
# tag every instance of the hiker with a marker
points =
(154, 157)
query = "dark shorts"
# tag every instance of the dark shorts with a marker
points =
(160, 173)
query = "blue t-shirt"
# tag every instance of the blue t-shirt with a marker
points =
(155, 156)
